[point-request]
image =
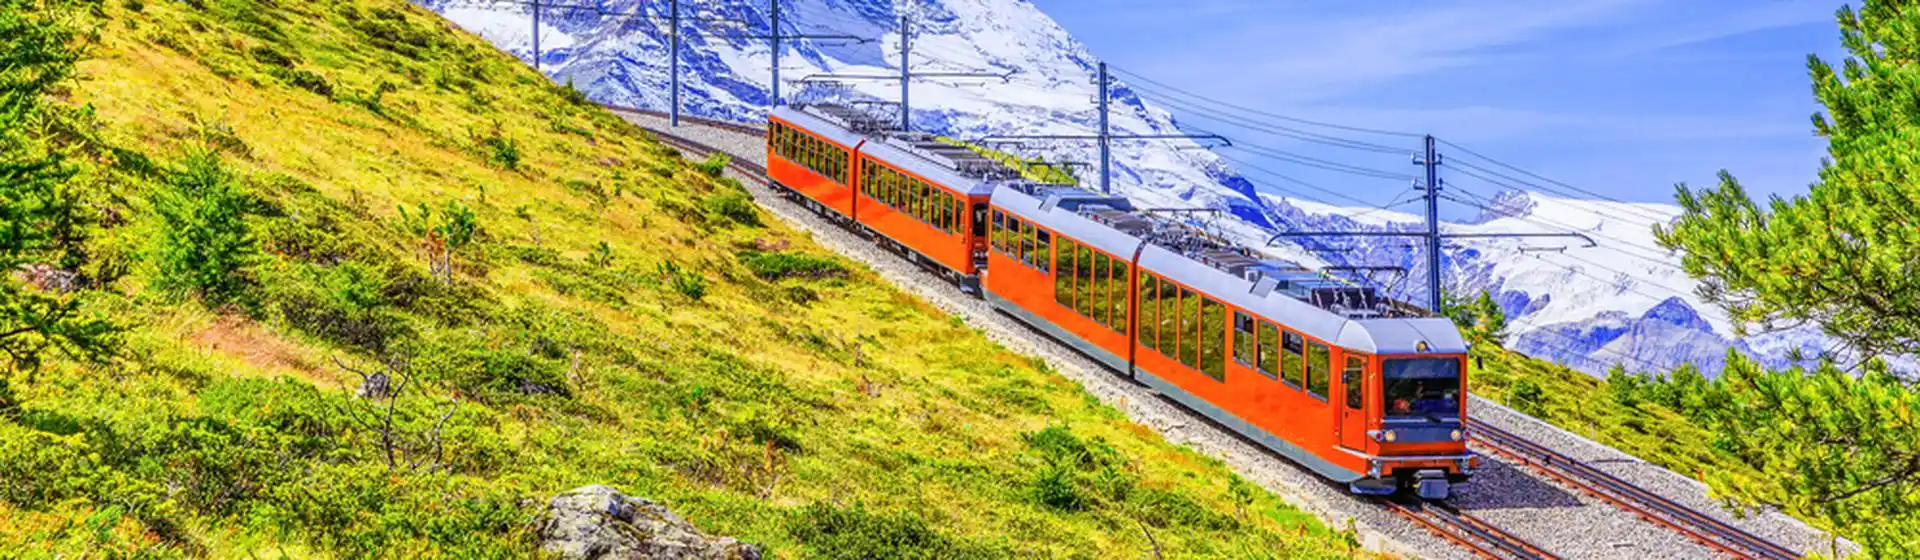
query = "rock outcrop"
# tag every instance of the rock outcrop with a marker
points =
(599, 522)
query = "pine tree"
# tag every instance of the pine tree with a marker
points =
(36, 201)
(1836, 444)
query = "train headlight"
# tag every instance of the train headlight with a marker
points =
(1391, 436)
(1457, 435)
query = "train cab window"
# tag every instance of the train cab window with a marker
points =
(1352, 379)
(1149, 328)
(1213, 339)
(1043, 251)
(1243, 339)
(1421, 388)
(1319, 368)
(1290, 363)
(1189, 328)
(979, 219)
(1269, 350)
(1063, 274)
(1117, 293)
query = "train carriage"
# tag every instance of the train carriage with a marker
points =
(809, 155)
(1260, 347)
(914, 194)
(1028, 238)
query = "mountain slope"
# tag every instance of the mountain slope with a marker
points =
(1554, 299)
(616, 316)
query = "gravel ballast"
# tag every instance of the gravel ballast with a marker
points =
(1515, 499)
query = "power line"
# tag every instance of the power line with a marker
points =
(1318, 163)
(1470, 152)
(1270, 128)
(1348, 128)
(1656, 260)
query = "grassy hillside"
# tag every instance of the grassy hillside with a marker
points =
(1593, 408)
(567, 300)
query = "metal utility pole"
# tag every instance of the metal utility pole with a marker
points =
(673, 66)
(906, 34)
(536, 35)
(774, 8)
(1106, 138)
(1430, 160)
(1432, 163)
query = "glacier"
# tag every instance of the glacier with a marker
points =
(1622, 302)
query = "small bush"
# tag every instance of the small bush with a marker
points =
(685, 282)
(307, 80)
(1527, 398)
(1054, 487)
(777, 266)
(502, 151)
(733, 207)
(346, 304)
(204, 242)
(714, 165)
(271, 57)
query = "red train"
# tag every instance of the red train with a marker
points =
(1354, 386)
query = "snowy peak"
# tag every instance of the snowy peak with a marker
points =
(1676, 312)
(1507, 204)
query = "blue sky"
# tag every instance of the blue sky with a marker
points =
(1620, 97)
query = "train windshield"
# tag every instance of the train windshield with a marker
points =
(1422, 388)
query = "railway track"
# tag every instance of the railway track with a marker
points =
(730, 126)
(1700, 527)
(1467, 531)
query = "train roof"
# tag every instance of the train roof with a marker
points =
(920, 153)
(1305, 300)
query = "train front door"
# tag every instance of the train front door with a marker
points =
(1353, 410)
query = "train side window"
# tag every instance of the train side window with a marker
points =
(1269, 350)
(1213, 339)
(1189, 328)
(1063, 274)
(1149, 296)
(1043, 250)
(1352, 378)
(1319, 367)
(1117, 293)
(950, 209)
(1083, 280)
(942, 210)
(1102, 285)
(1243, 339)
(1290, 363)
(979, 219)
(997, 233)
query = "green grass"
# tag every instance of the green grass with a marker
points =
(616, 318)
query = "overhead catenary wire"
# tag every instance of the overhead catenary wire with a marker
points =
(1275, 129)
(1637, 253)
(1233, 106)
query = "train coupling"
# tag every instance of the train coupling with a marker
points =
(1431, 484)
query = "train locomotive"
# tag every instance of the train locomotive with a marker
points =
(1356, 387)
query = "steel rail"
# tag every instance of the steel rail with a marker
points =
(1656, 509)
(1479, 537)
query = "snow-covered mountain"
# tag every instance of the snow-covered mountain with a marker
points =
(1624, 301)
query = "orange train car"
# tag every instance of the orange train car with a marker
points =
(1312, 369)
(811, 157)
(925, 199)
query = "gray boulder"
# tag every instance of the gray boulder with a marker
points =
(599, 522)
